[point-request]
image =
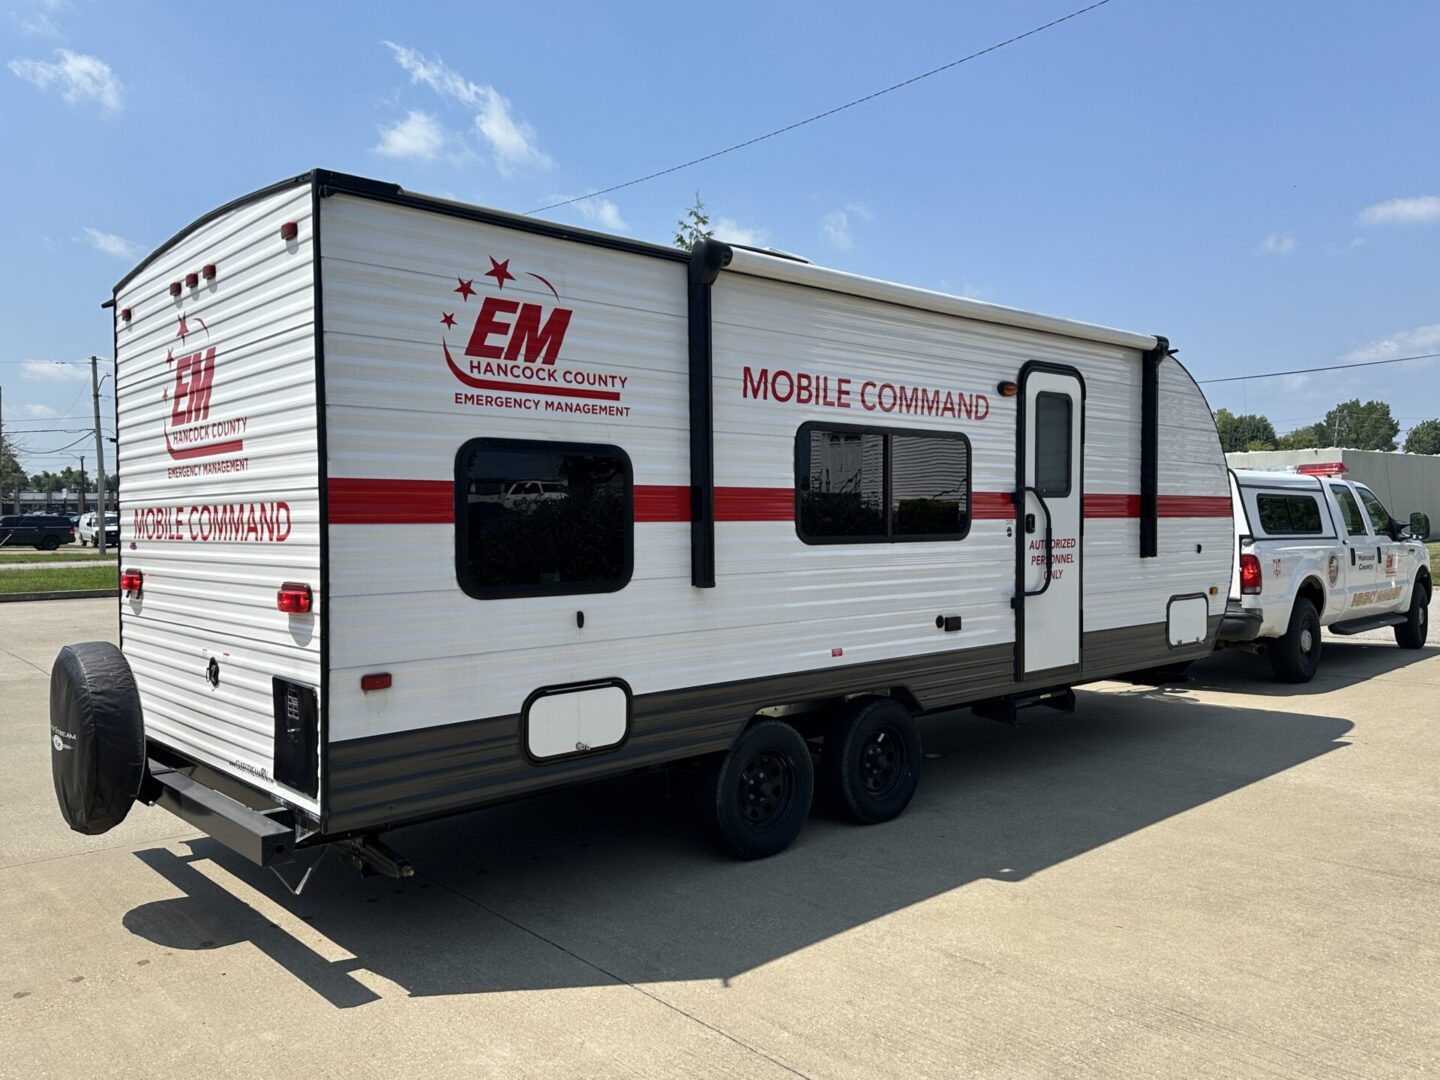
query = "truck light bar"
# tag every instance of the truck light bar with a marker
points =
(294, 597)
(1322, 468)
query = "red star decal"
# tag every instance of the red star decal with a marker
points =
(183, 328)
(165, 394)
(169, 356)
(465, 290)
(447, 318)
(500, 271)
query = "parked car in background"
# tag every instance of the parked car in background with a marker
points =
(44, 531)
(89, 529)
(1316, 551)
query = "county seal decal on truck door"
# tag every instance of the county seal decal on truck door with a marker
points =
(512, 358)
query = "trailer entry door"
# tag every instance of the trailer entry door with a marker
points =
(1048, 527)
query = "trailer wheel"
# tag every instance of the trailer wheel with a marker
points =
(97, 736)
(755, 798)
(1411, 634)
(870, 762)
(1296, 657)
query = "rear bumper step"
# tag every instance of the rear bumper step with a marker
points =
(265, 838)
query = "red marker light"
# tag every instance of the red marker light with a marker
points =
(379, 681)
(125, 314)
(174, 288)
(192, 279)
(1008, 389)
(1250, 577)
(289, 231)
(294, 597)
(208, 271)
(131, 581)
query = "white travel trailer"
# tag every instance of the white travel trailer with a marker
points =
(426, 507)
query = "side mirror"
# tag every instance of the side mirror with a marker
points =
(1419, 526)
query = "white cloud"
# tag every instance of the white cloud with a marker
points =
(732, 232)
(54, 371)
(1413, 211)
(1422, 339)
(1279, 244)
(419, 135)
(38, 412)
(839, 225)
(511, 140)
(79, 78)
(35, 17)
(110, 244)
(595, 211)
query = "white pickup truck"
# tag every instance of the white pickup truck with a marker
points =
(1316, 551)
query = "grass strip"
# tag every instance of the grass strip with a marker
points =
(60, 579)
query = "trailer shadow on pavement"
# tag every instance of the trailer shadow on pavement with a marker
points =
(612, 882)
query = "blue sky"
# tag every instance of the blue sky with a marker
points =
(1260, 182)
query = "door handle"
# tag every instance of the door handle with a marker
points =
(1029, 523)
(1049, 546)
(1352, 555)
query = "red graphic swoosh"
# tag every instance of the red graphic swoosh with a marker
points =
(546, 283)
(524, 387)
(233, 446)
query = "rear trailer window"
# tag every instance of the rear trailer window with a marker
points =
(1282, 515)
(537, 518)
(865, 485)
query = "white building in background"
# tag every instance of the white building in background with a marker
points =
(1405, 482)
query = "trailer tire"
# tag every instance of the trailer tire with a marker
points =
(97, 736)
(870, 761)
(1411, 634)
(756, 797)
(1296, 657)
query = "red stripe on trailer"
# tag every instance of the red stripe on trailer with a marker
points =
(1195, 506)
(754, 504)
(992, 505)
(661, 502)
(357, 501)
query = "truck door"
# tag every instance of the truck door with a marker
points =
(1361, 561)
(1048, 501)
(1391, 566)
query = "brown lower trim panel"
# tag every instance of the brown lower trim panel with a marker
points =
(387, 780)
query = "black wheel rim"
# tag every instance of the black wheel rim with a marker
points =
(882, 762)
(766, 788)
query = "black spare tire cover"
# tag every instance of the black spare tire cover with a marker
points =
(97, 736)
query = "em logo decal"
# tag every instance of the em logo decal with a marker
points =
(1332, 568)
(189, 431)
(515, 350)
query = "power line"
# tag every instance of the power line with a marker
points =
(828, 112)
(1328, 367)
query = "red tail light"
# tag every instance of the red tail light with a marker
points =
(380, 680)
(294, 597)
(1249, 575)
(131, 581)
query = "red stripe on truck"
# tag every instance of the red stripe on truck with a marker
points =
(356, 501)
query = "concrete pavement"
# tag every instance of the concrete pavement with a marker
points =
(1235, 878)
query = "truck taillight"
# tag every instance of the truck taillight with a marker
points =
(1249, 575)
(131, 581)
(294, 597)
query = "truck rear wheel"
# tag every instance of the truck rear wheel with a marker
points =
(1296, 657)
(50, 543)
(870, 763)
(755, 798)
(1411, 634)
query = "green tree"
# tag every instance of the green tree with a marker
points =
(12, 476)
(1250, 431)
(1300, 439)
(693, 227)
(1358, 425)
(1424, 438)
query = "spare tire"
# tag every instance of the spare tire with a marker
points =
(97, 736)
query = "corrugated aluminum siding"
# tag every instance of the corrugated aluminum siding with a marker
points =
(219, 468)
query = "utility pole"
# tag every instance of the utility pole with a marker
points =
(80, 501)
(99, 455)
